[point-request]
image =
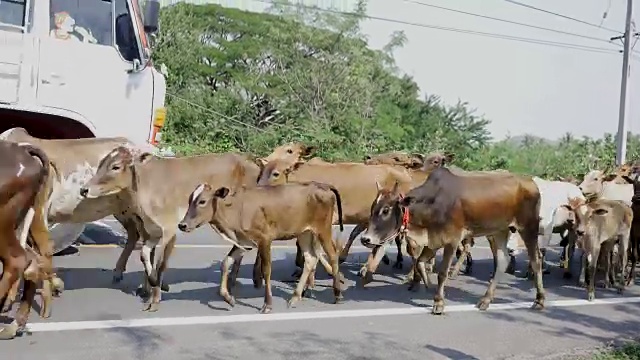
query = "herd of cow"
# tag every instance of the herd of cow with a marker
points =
(412, 199)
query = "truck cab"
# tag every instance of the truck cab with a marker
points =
(77, 69)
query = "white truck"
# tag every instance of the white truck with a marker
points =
(80, 68)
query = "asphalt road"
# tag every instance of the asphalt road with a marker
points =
(95, 319)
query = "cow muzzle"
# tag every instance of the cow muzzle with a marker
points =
(184, 227)
(84, 192)
(369, 242)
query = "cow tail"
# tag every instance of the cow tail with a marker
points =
(339, 204)
(37, 152)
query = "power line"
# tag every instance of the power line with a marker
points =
(562, 16)
(457, 30)
(507, 21)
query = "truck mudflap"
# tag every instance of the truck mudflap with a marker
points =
(64, 235)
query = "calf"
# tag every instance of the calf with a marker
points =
(600, 223)
(255, 217)
(447, 208)
(23, 172)
(159, 188)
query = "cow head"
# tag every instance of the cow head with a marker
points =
(396, 158)
(437, 159)
(116, 172)
(593, 182)
(290, 153)
(589, 217)
(385, 219)
(202, 206)
(277, 172)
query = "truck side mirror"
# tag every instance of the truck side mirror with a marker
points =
(151, 16)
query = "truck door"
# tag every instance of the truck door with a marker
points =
(13, 32)
(86, 67)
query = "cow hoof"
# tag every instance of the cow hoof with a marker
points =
(385, 260)
(229, 299)
(591, 296)
(153, 307)
(142, 292)
(483, 304)
(45, 312)
(164, 287)
(339, 300)
(567, 275)
(266, 309)
(397, 265)
(297, 273)
(9, 331)
(367, 278)
(294, 299)
(57, 286)
(438, 309)
(537, 305)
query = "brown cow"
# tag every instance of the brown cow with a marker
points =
(356, 183)
(600, 224)
(634, 238)
(447, 208)
(159, 189)
(24, 171)
(255, 217)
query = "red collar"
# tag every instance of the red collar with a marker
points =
(405, 216)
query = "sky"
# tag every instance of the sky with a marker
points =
(522, 88)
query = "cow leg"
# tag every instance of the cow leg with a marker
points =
(623, 258)
(352, 236)
(310, 260)
(11, 296)
(257, 271)
(633, 255)
(462, 252)
(443, 272)
(131, 228)
(234, 255)
(264, 251)
(399, 258)
(10, 331)
(40, 235)
(330, 250)
(592, 263)
(569, 251)
(500, 263)
(366, 272)
(529, 236)
(299, 262)
(607, 249)
(160, 265)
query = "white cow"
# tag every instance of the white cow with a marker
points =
(554, 214)
(598, 185)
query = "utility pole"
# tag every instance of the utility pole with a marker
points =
(621, 152)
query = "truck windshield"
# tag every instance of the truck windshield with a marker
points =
(89, 21)
(12, 12)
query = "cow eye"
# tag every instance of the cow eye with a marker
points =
(385, 211)
(289, 151)
(115, 167)
(276, 174)
(202, 202)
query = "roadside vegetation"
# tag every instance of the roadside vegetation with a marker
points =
(629, 351)
(242, 81)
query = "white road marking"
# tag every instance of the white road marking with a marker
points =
(244, 318)
(219, 246)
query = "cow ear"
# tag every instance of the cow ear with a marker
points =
(221, 192)
(308, 150)
(144, 158)
(417, 161)
(627, 179)
(600, 211)
(406, 201)
(261, 162)
(448, 157)
(609, 177)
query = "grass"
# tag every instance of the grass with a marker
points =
(629, 351)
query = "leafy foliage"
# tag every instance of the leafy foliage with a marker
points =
(242, 81)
